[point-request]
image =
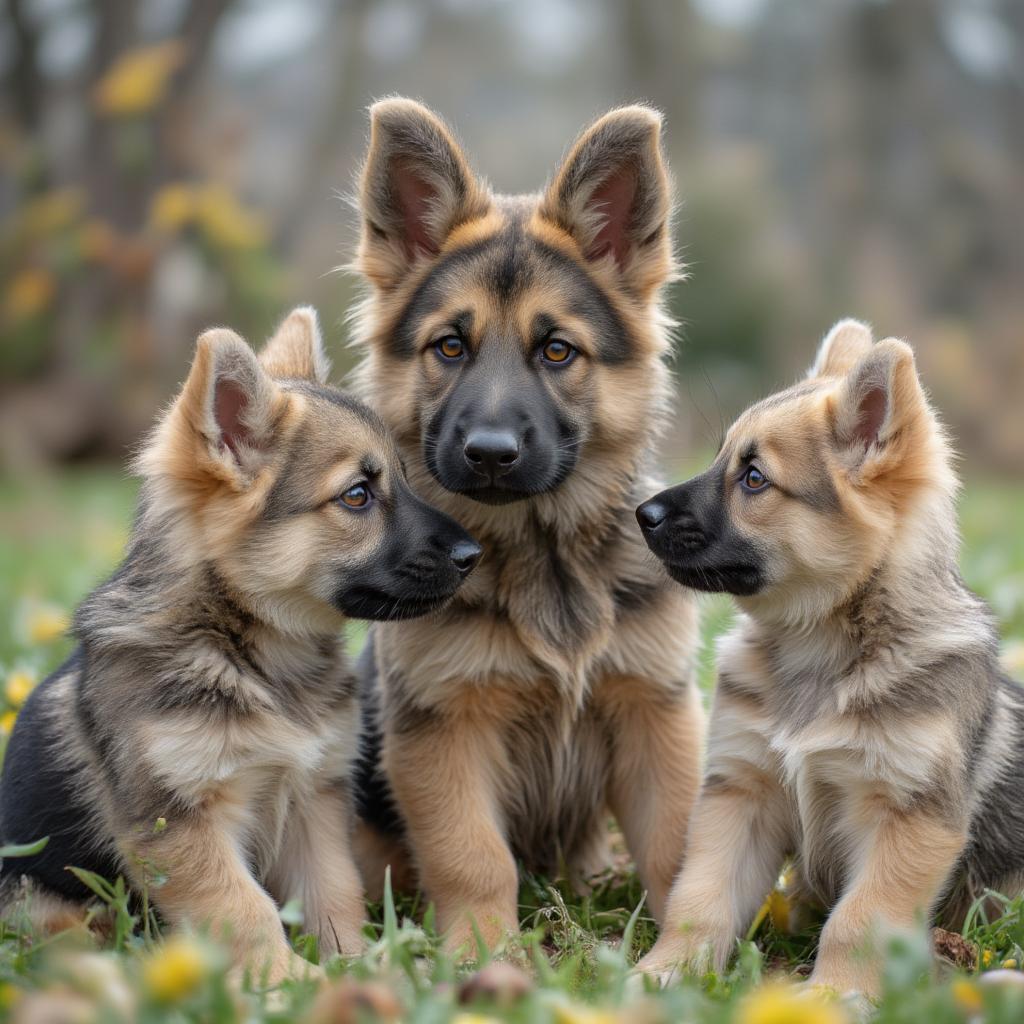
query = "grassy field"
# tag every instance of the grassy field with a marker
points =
(59, 536)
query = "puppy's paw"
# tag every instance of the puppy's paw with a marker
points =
(670, 960)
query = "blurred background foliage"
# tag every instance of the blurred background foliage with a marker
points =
(169, 164)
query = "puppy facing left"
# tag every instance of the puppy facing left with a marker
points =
(204, 728)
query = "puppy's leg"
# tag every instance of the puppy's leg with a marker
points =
(904, 864)
(655, 774)
(738, 838)
(209, 884)
(315, 865)
(444, 776)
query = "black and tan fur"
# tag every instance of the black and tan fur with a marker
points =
(203, 731)
(861, 723)
(560, 683)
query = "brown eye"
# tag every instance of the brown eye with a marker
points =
(356, 497)
(558, 352)
(754, 480)
(450, 348)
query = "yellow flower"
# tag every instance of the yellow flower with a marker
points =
(7, 722)
(785, 1004)
(575, 1013)
(986, 958)
(1010, 964)
(19, 685)
(52, 211)
(778, 910)
(474, 1018)
(172, 208)
(176, 970)
(9, 995)
(966, 996)
(29, 293)
(137, 80)
(46, 623)
(226, 222)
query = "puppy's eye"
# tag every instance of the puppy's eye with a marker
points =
(358, 496)
(558, 352)
(753, 480)
(450, 348)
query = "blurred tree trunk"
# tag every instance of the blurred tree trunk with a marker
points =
(662, 64)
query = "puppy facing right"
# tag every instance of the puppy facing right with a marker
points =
(861, 722)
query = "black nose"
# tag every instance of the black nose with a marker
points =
(491, 453)
(651, 514)
(465, 554)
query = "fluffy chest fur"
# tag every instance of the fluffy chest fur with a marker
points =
(846, 746)
(548, 608)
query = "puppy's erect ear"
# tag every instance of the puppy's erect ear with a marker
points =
(416, 187)
(844, 346)
(222, 424)
(881, 412)
(296, 349)
(613, 195)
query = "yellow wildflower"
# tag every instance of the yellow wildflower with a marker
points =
(9, 995)
(173, 207)
(7, 722)
(966, 996)
(986, 958)
(52, 211)
(176, 970)
(137, 80)
(1010, 964)
(46, 623)
(785, 1004)
(29, 293)
(575, 1013)
(778, 910)
(474, 1018)
(20, 683)
(226, 222)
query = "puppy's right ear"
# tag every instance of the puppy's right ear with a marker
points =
(416, 186)
(222, 424)
(296, 348)
(844, 346)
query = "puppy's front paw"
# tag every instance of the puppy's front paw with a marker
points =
(341, 935)
(671, 958)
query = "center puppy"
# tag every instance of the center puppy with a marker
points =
(516, 346)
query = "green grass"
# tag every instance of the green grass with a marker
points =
(60, 535)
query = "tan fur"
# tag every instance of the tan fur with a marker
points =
(507, 730)
(214, 691)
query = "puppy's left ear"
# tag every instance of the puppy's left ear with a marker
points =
(880, 413)
(296, 349)
(613, 195)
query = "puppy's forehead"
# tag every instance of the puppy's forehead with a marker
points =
(790, 423)
(501, 271)
(336, 437)
(335, 424)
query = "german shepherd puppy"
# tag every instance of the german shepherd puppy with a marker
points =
(205, 727)
(861, 722)
(515, 345)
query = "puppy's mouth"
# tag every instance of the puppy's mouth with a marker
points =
(494, 494)
(376, 605)
(740, 580)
